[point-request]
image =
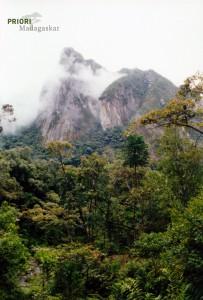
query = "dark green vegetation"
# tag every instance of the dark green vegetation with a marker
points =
(97, 140)
(117, 224)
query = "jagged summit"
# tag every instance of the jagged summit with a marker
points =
(73, 61)
(73, 108)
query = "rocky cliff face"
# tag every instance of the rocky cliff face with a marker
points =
(86, 96)
(69, 108)
(70, 113)
(132, 95)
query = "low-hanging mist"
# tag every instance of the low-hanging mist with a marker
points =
(26, 95)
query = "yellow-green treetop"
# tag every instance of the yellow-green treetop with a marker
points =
(183, 111)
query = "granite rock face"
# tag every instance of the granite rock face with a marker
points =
(87, 96)
(70, 113)
(132, 95)
(68, 107)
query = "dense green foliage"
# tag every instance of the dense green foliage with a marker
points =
(96, 140)
(102, 218)
(123, 226)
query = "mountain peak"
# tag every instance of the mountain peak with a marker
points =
(70, 54)
(72, 107)
(73, 61)
(128, 71)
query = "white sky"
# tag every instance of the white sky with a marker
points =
(164, 35)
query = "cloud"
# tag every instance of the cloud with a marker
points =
(95, 83)
(90, 81)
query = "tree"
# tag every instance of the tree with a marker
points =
(47, 258)
(153, 201)
(6, 115)
(75, 271)
(181, 162)
(147, 266)
(13, 253)
(135, 151)
(180, 111)
(183, 258)
(170, 264)
(60, 150)
(29, 180)
(91, 193)
(192, 87)
(50, 222)
(135, 155)
(10, 189)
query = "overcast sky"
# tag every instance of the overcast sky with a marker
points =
(164, 35)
